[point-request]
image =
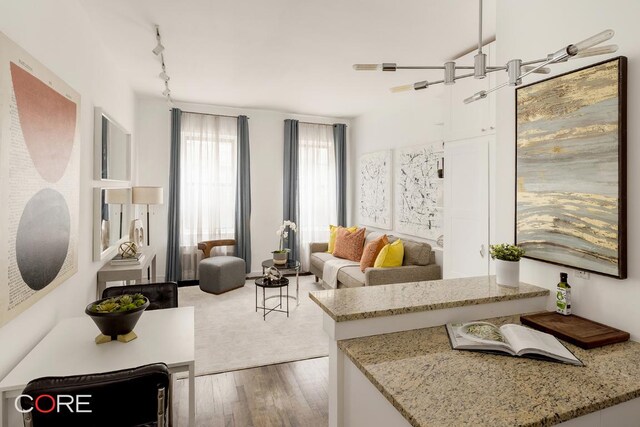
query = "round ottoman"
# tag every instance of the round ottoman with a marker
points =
(220, 274)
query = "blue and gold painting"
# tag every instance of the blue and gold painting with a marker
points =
(570, 176)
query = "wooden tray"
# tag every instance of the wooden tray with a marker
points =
(575, 329)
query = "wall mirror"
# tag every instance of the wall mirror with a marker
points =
(112, 149)
(111, 219)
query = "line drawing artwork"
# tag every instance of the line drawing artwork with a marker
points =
(417, 190)
(375, 189)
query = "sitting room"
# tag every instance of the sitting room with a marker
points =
(222, 213)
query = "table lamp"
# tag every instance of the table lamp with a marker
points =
(117, 196)
(147, 196)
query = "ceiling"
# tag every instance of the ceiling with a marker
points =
(285, 55)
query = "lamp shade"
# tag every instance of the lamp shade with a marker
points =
(117, 196)
(147, 195)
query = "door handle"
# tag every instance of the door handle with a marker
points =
(482, 251)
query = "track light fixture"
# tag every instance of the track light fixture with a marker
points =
(158, 50)
(516, 68)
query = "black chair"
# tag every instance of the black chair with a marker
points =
(160, 295)
(127, 398)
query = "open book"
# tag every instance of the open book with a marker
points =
(515, 340)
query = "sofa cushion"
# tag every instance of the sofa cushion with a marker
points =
(371, 251)
(416, 253)
(333, 232)
(351, 277)
(349, 245)
(391, 255)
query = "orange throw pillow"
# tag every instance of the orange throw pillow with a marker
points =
(371, 251)
(349, 245)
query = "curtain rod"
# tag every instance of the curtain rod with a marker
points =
(209, 114)
(322, 124)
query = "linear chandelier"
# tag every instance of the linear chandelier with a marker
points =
(158, 51)
(516, 69)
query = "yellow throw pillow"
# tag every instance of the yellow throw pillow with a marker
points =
(391, 255)
(333, 230)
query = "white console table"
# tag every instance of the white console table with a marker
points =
(166, 336)
(112, 273)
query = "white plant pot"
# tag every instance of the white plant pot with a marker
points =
(280, 258)
(507, 273)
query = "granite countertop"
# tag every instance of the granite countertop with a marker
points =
(432, 385)
(400, 298)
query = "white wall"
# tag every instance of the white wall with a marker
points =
(519, 35)
(266, 136)
(60, 36)
(410, 119)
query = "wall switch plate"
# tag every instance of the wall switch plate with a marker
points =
(582, 274)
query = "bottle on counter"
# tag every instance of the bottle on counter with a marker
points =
(563, 296)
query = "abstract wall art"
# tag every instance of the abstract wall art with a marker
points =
(375, 189)
(571, 169)
(417, 190)
(39, 180)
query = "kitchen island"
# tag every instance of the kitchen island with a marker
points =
(373, 310)
(414, 378)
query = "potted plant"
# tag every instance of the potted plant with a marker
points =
(507, 259)
(281, 256)
(117, 315)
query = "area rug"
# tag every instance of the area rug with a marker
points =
(230, 335)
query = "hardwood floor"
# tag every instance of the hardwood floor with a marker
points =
(290, 394)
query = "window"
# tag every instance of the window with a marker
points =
(207, 184)
(316, 185)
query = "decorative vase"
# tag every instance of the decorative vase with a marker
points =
(280, 258)
(507, 273)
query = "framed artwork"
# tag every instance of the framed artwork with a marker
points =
(571, 169)
(375, 189)
(417, 191)
(39, 180)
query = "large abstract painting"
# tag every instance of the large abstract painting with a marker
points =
(375, 189)
(39, 180)
(417, 190)
(570, 180)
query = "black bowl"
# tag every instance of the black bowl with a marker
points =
(119, 323)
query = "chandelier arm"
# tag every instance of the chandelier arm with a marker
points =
(535, 61)
(419, 67)
(440, 67)
(542, 65)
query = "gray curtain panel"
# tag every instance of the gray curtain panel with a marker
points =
(243, 194)
(291, 205)
(340, 144)
(173, 271)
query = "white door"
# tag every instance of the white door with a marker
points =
(466, 208)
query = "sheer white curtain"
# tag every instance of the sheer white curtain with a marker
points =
(207, 184)
(316, 186)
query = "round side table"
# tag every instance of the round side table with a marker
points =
(290, 267)
(279, 284)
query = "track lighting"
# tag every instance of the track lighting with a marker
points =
(158, 50)
(515, 68)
